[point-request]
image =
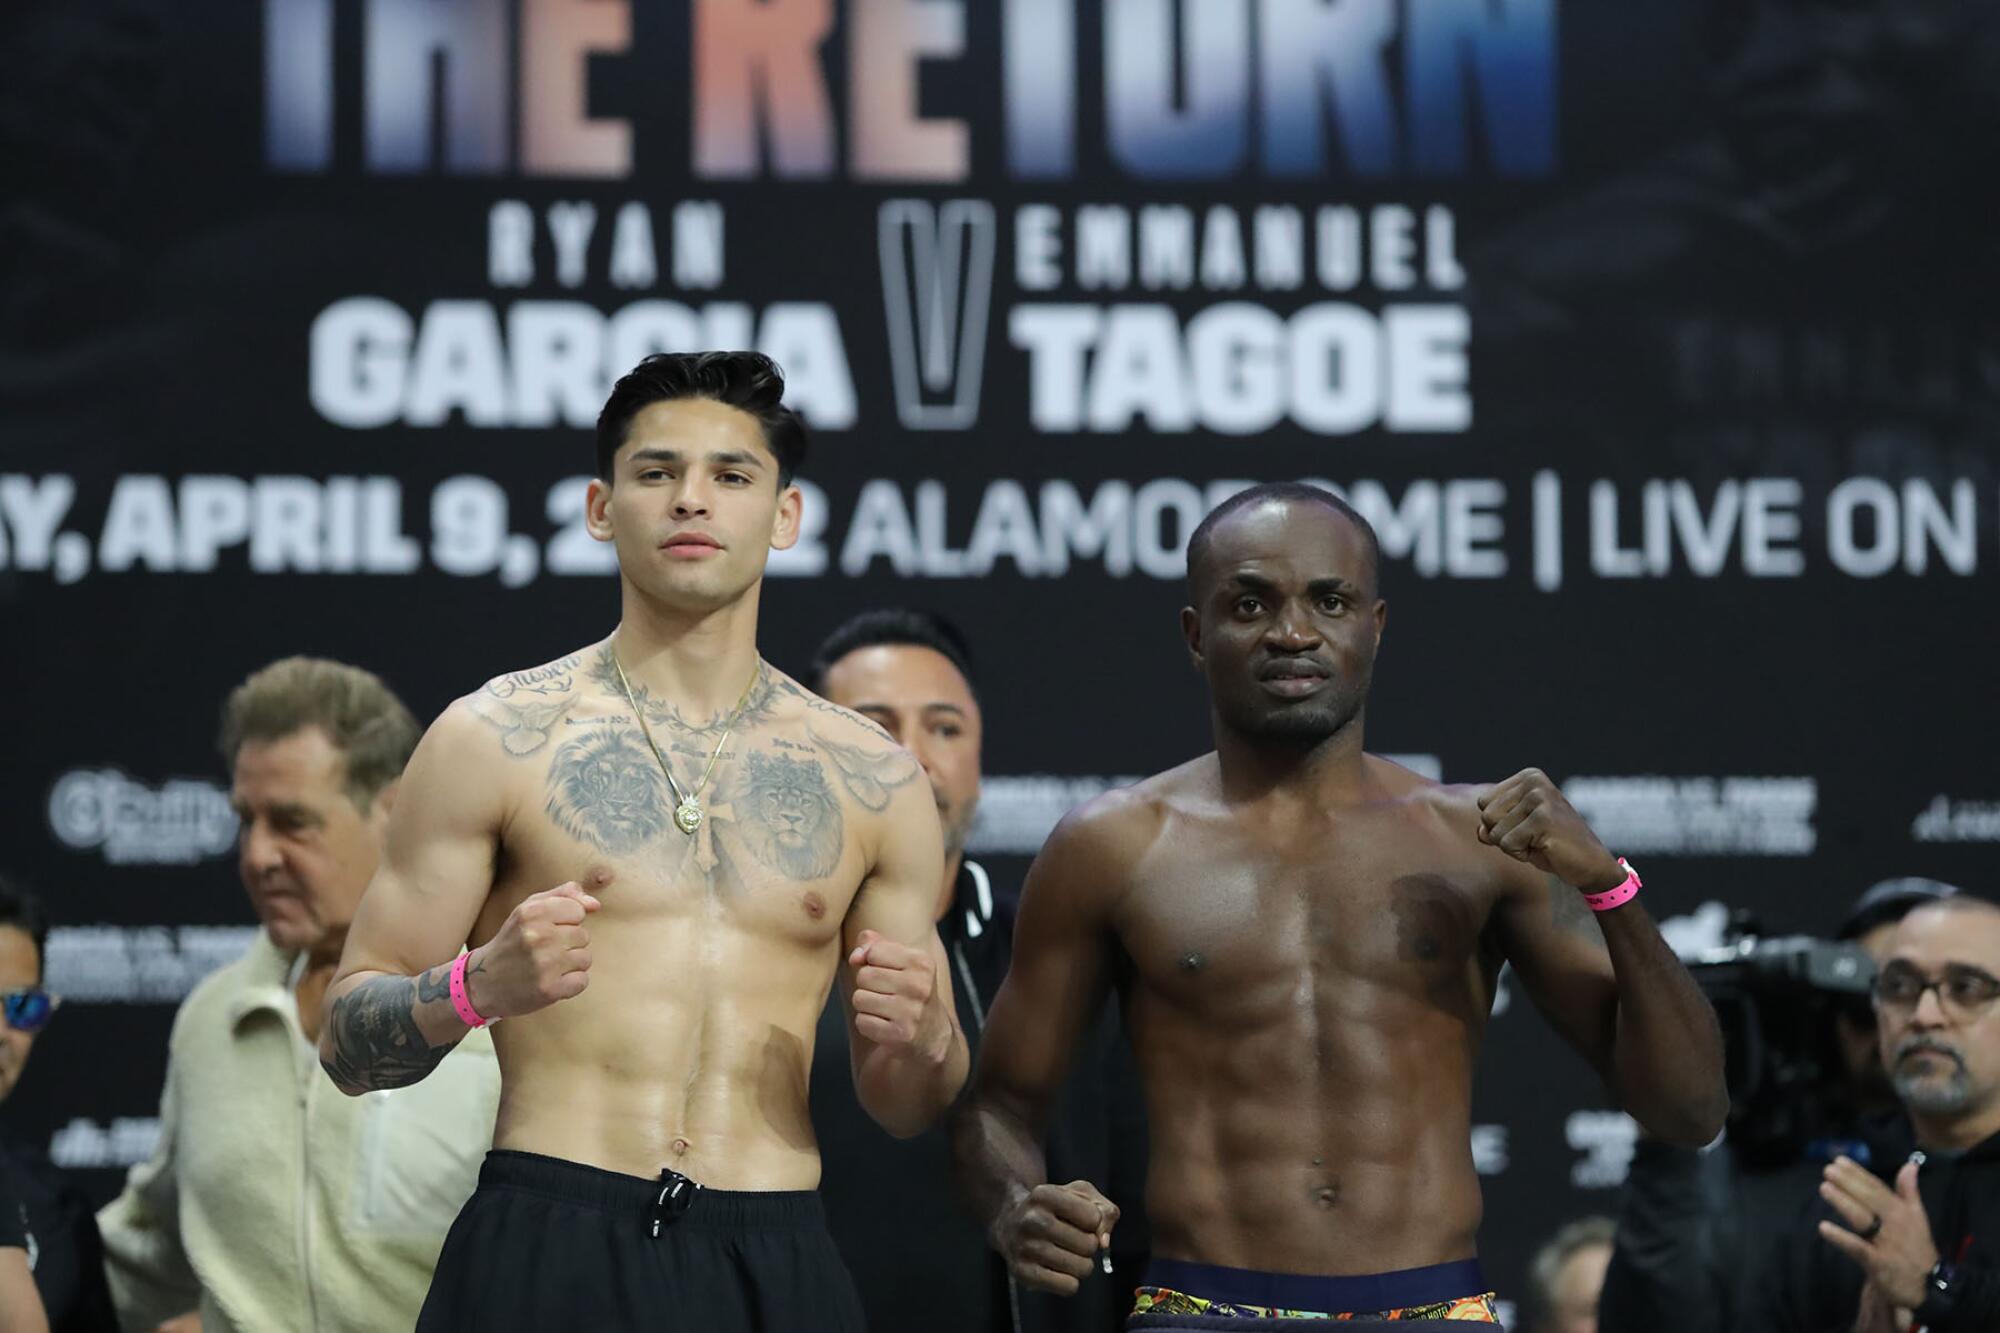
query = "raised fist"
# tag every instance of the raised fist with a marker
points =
(540, 955)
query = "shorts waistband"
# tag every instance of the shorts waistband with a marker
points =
(1396, 1290)
(639, 1198)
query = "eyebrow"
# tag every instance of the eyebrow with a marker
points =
(1949, 966)
(287, 809)
(720, 457)
(938, 706)
(1256, 584)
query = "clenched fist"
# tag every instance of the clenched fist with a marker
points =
(1051, 1236)
(1529, 818)
(540, 954)
(897, 1002)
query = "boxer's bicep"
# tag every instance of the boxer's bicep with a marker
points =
(898, 899)
(437, 855)
(1059, 974)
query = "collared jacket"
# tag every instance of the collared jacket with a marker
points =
(274, 1200)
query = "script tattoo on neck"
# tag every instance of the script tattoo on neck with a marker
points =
(605, 788)
(869, 776)
(376, 1040)
(659, 713)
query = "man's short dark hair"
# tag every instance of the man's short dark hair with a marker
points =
(1296, 491)
(23, 911)
(1891, 900)
(749, 381)
(894, 625)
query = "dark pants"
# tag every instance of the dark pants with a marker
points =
(548, 1244)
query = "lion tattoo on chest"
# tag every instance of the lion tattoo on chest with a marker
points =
(788, 816)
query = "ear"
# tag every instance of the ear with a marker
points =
(384, 802)
(1381, 620)
(597, 509)
(1191, 631)
(791, 515)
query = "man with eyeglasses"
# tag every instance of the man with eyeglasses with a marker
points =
(1921, 1250)
(1695, 1228)
(42, 1213)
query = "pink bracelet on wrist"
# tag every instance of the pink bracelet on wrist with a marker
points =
(1618, 897)
(460, 999)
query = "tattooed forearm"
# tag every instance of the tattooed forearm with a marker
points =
(869, 776)
(373, 1039)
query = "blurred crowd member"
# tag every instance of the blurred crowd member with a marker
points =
(274, 1201)
(911, 673)
(1913, 1242)
(42, 1214)
(1567, 1274)
(20, 1303)
(1696, 1229)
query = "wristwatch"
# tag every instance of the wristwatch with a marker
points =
(1940, 1293)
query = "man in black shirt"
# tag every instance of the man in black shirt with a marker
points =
(58, 1229)
(931, 1267)
(1921, 1249)
(1696, 1229)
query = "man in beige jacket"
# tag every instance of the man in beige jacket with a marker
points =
(273, 1201)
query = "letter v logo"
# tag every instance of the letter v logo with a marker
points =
(937, 287)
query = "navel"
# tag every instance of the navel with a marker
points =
(1325, 1197)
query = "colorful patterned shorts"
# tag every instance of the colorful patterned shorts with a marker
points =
(1164, 1300)
(1435, 1293)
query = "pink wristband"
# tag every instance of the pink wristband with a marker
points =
(461, 1001)
(1618, 897)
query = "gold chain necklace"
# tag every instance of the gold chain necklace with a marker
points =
(687, 813)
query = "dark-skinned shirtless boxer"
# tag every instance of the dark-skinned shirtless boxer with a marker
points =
(1306, 940)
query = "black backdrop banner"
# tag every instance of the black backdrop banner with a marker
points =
(1654, 338)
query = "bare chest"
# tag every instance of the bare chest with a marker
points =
(1222, 919)
(767, 845)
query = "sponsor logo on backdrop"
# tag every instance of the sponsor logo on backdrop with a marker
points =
(1606, 1139)
(1947, 819)
(1017, 813)
(178, 822)
(937, 286)
(1489, 1149)
(1700, 816)
(139, 964)
(85, 1144)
